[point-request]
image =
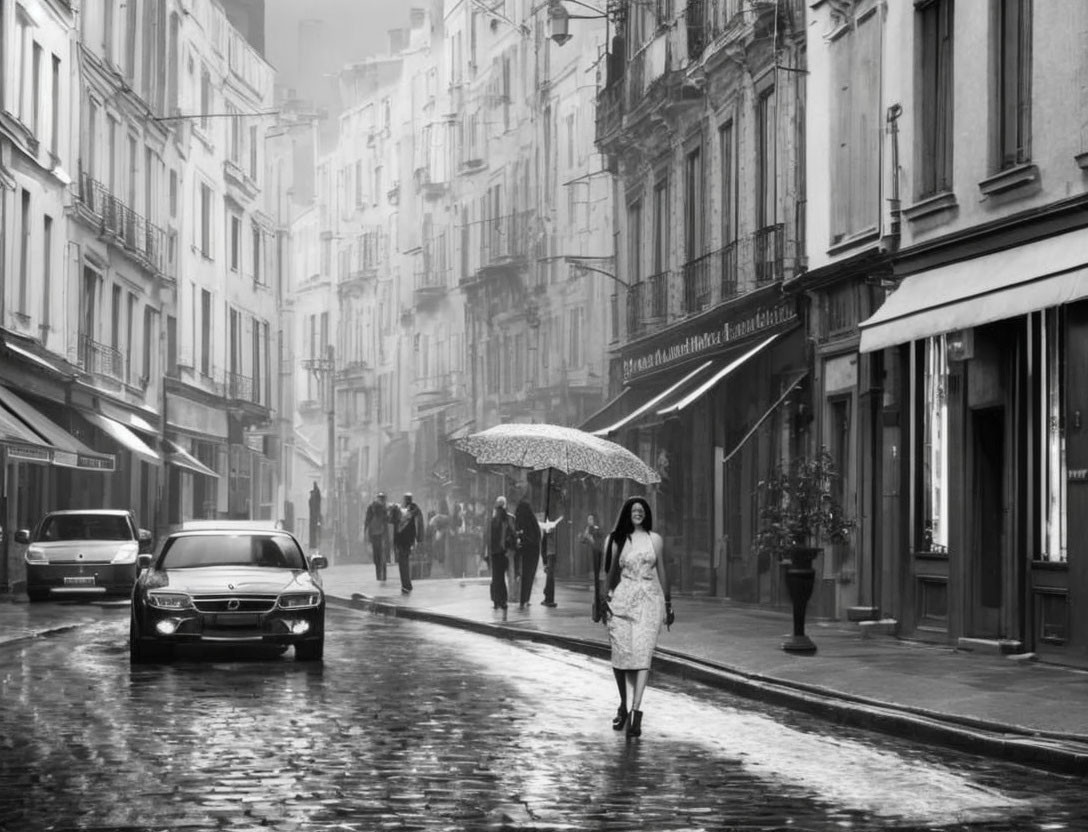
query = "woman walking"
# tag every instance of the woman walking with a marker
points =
(637, 604)
(498, 544)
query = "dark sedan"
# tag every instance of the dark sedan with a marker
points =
(228, 587)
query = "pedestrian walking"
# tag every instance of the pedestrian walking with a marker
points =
(499, 547)
(376, 526)
(407, 531)
(527, 532)
(592, 541)
(550, 553)
(637, 604)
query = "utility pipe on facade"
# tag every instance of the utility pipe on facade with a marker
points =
(891, 239)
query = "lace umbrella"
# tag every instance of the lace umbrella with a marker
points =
(540, 447)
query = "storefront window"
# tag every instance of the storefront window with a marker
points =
(935, 447)
(1053, 452)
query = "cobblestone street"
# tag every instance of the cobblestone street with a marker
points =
(414, 726)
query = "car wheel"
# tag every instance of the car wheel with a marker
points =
(141, 653)
(310, 651)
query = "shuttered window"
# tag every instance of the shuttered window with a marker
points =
(856, 128)
(935, 96)
(1013, 77)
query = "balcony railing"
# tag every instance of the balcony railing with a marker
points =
(647, 302)
(142, 238)
(505, 238)
(432, 279)
(768, 245)
(97, 358)
(241, 388)
(697, 276)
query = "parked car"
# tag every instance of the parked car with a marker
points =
(86, 552)
(228, 585)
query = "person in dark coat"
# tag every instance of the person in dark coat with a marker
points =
(499, 547)
(407, 531)
(376, 525)
(527, 531)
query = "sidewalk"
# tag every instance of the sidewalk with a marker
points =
(1025, 711)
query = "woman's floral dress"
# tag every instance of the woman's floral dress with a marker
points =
(638, 606)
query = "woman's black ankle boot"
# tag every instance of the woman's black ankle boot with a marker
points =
(634, 728)
(621, 718)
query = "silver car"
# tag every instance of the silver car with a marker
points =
(82, 553)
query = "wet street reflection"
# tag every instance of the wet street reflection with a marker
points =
(414, 726)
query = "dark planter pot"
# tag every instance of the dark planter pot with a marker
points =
(800, 579)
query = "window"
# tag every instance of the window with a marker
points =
(935, 96)
(1013, 54)
(1054, 474)
(257, 244)
(47, 269)
(130, 331)
(24, 252)
(148, 346)
(36, 89)
(173, 194)
(54, 115)
(728, 183)
(358, 184)
(206, 332)
(934, 451)
(92, 143)
(253, 153)
(855, 134)
(172, 65)
(576, 344)
(130, 39)
(19, 85)
(766, 148)
(661, 227)
(206, 221)
(115, 319)
(235, 243)
(205, 99)
(634, 240)
(107, 29)
(234, 133)
(694, 210)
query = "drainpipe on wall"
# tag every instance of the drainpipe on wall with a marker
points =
(890, 241)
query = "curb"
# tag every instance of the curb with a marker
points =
(47, 633)
(1063, 754)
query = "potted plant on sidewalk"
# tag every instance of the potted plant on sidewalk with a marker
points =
(798, 516)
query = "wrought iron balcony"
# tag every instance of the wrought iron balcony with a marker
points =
(697, 277)
(647, 302)
(505, 239)
(431, 282)
(768, 247)
(100, 359)
(240, 388)
(145, 240)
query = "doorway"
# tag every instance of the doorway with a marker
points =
(988, 509)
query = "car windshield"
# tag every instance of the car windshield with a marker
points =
(272, 551)
(85, 527)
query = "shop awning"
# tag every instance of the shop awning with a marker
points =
(982, 290)
(616, 408)
(686, 396)
(650, 399)
(22, 443)
(178, 456)
(68, 452)
(122, 436)
(37, 359)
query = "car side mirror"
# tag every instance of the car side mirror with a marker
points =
(143, 561)
(22, 536)
(146, 540)
(319, 562)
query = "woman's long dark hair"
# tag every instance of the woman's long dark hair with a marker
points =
(621, 533)
(625, 526)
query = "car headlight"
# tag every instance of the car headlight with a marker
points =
(169, 600)
(126, 553)
(299, 600)
(35, 555)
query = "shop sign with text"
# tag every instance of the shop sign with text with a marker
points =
(684, 346)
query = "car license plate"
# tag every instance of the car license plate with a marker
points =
(243, 619)
(79, 581)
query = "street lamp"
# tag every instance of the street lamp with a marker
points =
(559, 19)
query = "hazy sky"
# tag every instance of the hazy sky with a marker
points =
(353, 29)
